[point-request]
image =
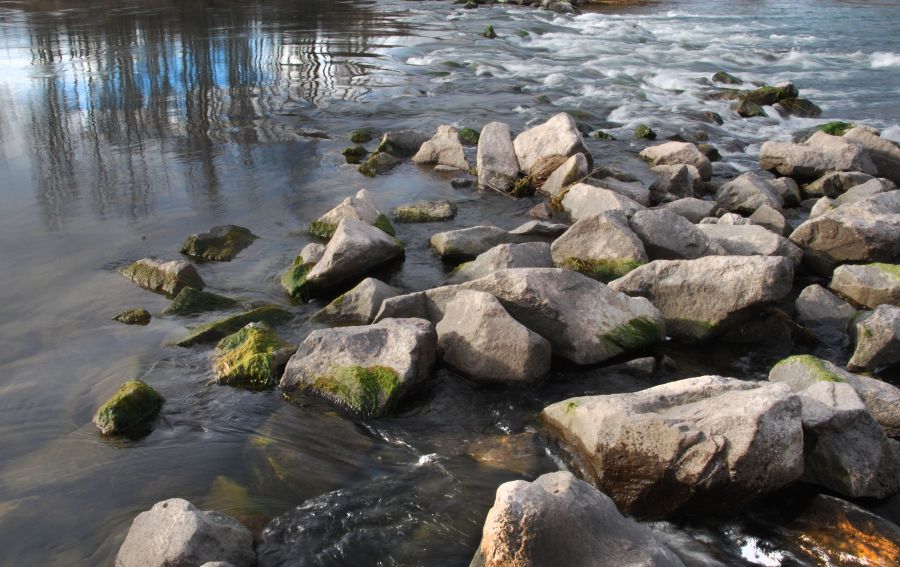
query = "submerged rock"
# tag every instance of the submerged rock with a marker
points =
(425, 211)
(190, 301)
(444, 148)
(502, 257)
(270, 314)
(644, 132)
(355, 154)
(137, 316)
(558, 136)
(362, 135)
(707, 444)
(251, 358)
(174, 533)
(358, 306)
(498, 166)
(601, 246)
(360, 207)
(378, 163)
(133, 406)
(726, 78)
(675, 153)
(161, 276)
(877, 339)
(221, 243)
(869, 285)
(560, 520)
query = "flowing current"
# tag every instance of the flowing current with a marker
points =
(127, 125)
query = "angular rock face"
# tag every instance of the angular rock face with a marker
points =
(176, 534)
(706, 444)
(367, 368)
(747, 193)
(751, 240)
(821, 154)
(221, 243)
(215, 330)
(821, 207)
(498, 166)
(864, 191)
(860, 232)
(771, 219)
(358, 306)
(869, 285)
(312, 252)
(481, 340)
(161, 276)
(251, 358)
(502, 257)
(540, 229)
(674, 153)
(877, 339)
(133, 405)
(819, 308)
(835, 183)
(558, 136)
(574, 169)
(702, 298)
(634, 190)
(788, 189)
(674, 182)
(885, 153)
(583, 200)
(601, 246)
(692, 209)
(560, 520)
(443, 149)
(668, 236)
(360, 207)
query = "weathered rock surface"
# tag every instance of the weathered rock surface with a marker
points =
(788, 189)
(692, 209)
(674, 153)
(161, 276)
(358, 306)
(819, 308)
(190, 300)
(502, 257)
(444, 148)
(863, 191)
(312, 253)
(221, 243)
(702, 298)
(835, 183)
(821, 154)
(560, 520)
(269, 314)
(634, 190)
(425, 211)
(706, 444)
(360, 207)
(674, 182)
(402, 143)
(747, 193)
(251, 358)
(751, 240)
(467, 243)
(367, 368)
(573, 169)
(885, 154)
(601, 246)
(137, 316)
(668, 236)
(174, 533)
(558, 136)
(821, 207)
(378, 163)
(583, 200)
(481, 340)
(539, 229)
(133, 406)
(498, 166)
(877, 339)
(771, 219)
(869, 285)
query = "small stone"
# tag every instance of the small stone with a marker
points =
(134, 405)
(460, 183)
(166, 277)
(444, 148)
(644, 132)
(221, 243)
(136, 316)
(726, 78)
(355, 154)
(542, 211)
(362, 135)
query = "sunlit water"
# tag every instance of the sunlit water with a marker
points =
(126, 126)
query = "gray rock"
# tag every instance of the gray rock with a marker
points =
(728, 219)
(751, 240)
(702, 298)
(573, 169)
(668, 236)
(560, 520)
(583, 200)
(821, 154)
(885, 153)
(368, 368)
(869, 285)
(821, 207)
(835, 183)
(358, 306)
(444, 148)
(864, 191)
(541, 211)
(402, 143)
(355, 248)
(481, 340)
(788, 189)
(692, 209)
(877, 339)
(674, 182)
(312, 253)
(425, 211)
(771, 219)
(674, 153)
(818, 307)
(602, 246)
(498, 166)
(163, 276)
(467, 243)
(706, 444)
(176, 534)
(539, 229)
(747, 193)
(502, 257)
(360, 207)
(221, 243)
(558, 136)
(634, 190)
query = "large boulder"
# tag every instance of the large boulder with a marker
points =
(360, 207)
(251, 358)
(885, 153)
(502, 257)
(221, 243)
(573, 169)
(481, 340)
(821, 154)
(869, 285)
(174, 533)
(747, 193)
(860, 232)
(702, 298)
(877, 339)
(366, 369)
(583, 200)
(692, 209)
(751, 240)
(601, 246)
(162, 276)
(558, 136)
(669, 236)
(560, 520)
(444, 148)
(132, 407)
(707, 444)
(497, 164)
(675, 153)
(357, 306)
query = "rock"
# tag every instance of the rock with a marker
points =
(885, 154)
(444, 148)
(165, 277)
(467, 243)
(788, 189)
(846, 450)
(559, 6)
(425, 211)
(821, 207)
(674, 182)
(634, 190)
(355, 154)
(821, 154)
(293, 280)
(355, 248)
(539, 229)
(558, 136)
(137, 316)
(481, 340)
(269, 314)
(728, 219)
(692, 209)
(601, 246)
(190, 301)
(502, 257)
(359, 207)
(835, 128)
(704, 297)
(174, 533)
(877, 339)
(541, 211)
(221, 243)
(574, 169)
(520, 453)
(601, 135)
(711, 152)
(312, 253)
(362, 135)
(869, 285)
(460, 183)
(668, 236)
(402, 143)
(747, 193)
(801, 107)
(378, 163)
(835, 183)
(860, 232)
(725, 78)
(358, 306)
(133, 406)
(751, 240)
(819, 308)
(560, 520)
(251, 358)
(881, 399)
(367, 368)
(747, 109)
(707, 444)
(498, 166)
(469, 136)
(770, 219)
(768, 95)
(644, 132)
(674, 153)
(864, 191)
(583, 200)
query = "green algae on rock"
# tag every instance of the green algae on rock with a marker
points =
(362, 135)
(161, 276)
(355, 154)
(425, 211)
(605, 270)
(644, 132)
(637, 333)
(133, 405)
(251, 357)
(137, 316)
(768, 95)
(490, 34)
(369, 391)
(470, 136)
(748, 109)
(294, 279)
(190, 301)
(815, 368)
(833, 128)
(215, 330)
(221, 243)
(378, 163)
(601, 135)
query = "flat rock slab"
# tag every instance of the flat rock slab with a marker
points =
(751, 240)
(425, 211)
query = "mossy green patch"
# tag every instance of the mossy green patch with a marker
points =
(892, 270)
(268, 314)
(221, 243)
(294, 279)
(637, 333)
(321, 229)
(769, 95)
(381, 161)
(834, 128)
(644, 132)
(469, 136)
(133, 405)
(383, 224)
(489, 32)
(362, 135)
(190, 300)
(355, 154)
(601, 135)
(605, 269)
(571, 406)
(137, 316)
(816, 366)
(250, 358)
(369, 391)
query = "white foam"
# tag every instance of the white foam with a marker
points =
(891, 133)
(882, 59)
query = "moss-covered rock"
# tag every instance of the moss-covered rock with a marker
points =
(137, 316)
(601, 135)
(489, 32)
(605, 270)
(368, 391)
(726, 78)
(134, 405)
(294, 279)
(469, 136)
(251, 358)
(221, 243)
(166, 277)
(713, 117)
(748, 109)
(710, 151)
(636, 333)
(814, 368)
(355, 154)
(321, 229)
(362, 135)
(834, 128)
(209, 332)
(190, 301)
(800, 107)
(383, 224)
(644, 132)
(378, 163)
(425, 211)
(769, 95)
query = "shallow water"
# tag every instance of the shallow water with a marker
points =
(126, 126)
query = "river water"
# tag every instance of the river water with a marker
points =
(127, 125)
